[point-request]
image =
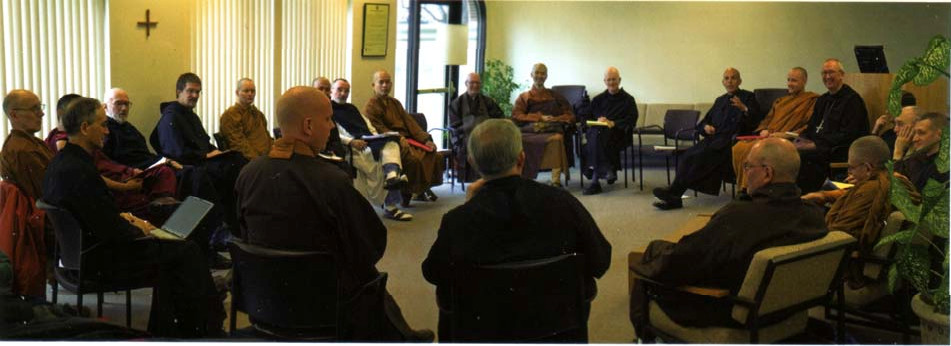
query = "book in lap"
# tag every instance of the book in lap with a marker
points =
(184, 220)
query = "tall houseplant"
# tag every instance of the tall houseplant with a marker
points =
(928, 236)
(498, 83)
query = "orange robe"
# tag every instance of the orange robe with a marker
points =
(23, 162)
(861, 211)
(423, 169)
(790, 113)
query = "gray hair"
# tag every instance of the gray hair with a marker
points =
(838, 64)
(79, 111)
(494, 146)
(237, 85)
(871, 150)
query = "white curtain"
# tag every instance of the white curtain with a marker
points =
(53, 48)
(278, 44)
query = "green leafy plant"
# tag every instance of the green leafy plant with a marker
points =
(498, 83)
(928, 235)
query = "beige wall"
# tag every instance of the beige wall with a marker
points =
(677, 51)
(361, 69)
(148, 67)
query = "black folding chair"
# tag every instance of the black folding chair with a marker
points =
(69, 271)
(530, 301)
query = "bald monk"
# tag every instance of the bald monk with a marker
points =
(861, 210)
(314, 207)
(542, 115)
(616, 108)
(423, 168)
(790, 113)
(24, 157)
(719, 254)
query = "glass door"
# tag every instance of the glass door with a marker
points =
(422, 73)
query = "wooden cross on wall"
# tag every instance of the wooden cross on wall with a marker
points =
(148, 24)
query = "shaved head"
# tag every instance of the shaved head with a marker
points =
(780, 154)
(303, 113)
(871, 150)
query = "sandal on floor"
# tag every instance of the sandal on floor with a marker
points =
(397, 215)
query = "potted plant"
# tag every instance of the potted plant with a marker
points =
(925, 243)
(498, 83)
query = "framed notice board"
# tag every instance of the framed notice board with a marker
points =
(376, 25)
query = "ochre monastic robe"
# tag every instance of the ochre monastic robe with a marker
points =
(423, 169)
(790, 113)
(23, 162)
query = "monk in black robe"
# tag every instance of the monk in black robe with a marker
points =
(719, 254)
(703, 167)
(313, 206)
(180, 136)
(465, 112)
(617, 110)
(839, 118)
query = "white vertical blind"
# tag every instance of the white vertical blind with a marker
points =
(240, 38)
(314, 41)
(53, 48)
(233, 39)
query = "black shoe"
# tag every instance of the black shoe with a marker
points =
(662, 193)
(218, 262)
(592, 189)
(394, 183)
(426, 196)
(588, 172)
(421, 335)
(611, 177)
(668, 205)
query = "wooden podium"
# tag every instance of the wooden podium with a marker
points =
(874, 90)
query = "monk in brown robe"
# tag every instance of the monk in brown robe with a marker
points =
(790, 113)
(24, 157)
(423, 168)
(861, 210)
(542, 114)
(244, 125)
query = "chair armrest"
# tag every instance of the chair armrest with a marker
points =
(713, 292)
(649, 129)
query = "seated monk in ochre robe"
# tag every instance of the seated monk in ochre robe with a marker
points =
(542, 114)
(861, 210)
(423, 168)
(790, 113)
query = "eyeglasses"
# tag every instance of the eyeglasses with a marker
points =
(38, 108)
(748, 166)
(122, 103)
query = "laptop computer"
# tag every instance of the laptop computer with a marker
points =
(184, 220)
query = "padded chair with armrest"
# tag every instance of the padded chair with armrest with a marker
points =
(856, 302)
(529, 301)
(781, 284)
(766, 96)
(291, 295)
(679, 126)
(69, 271)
